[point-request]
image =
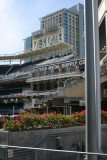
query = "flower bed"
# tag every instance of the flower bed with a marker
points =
(28, 121)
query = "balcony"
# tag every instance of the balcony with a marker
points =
(102, 10)
(39, 33)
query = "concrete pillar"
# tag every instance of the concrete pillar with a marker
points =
(32, 75)
(68, 70)
(10, 61)
(20, 61)
(45, 86)
(60, 71)
(38, 74)
(38, 86)
(52, 84)
(70, 110)
(77, 69)
(47, 109)
(32, 87)
(45, 74)
(61, 83)
(52, 72)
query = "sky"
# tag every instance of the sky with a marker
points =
(19, 18)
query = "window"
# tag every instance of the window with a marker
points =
(48, 72)
(72, 68)
(64, 70)
(41, 73)
(35, 74)
(73, 29)
(56, 71)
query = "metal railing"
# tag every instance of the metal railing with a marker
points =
(76, 155)
(14, 151)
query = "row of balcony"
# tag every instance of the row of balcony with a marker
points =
(45, 31)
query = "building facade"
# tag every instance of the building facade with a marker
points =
(63, 26)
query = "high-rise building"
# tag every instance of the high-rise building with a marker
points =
(63, 26)
(79, 10)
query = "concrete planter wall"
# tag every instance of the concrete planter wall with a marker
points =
(72, 138)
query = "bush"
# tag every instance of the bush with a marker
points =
(28, 121)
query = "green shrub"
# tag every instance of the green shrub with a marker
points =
(28, 121)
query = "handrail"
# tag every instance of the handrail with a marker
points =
(19, 151)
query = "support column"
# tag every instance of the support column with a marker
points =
(52, 84)
(77, 69)
(20, 61)
(68, 70)
(93, 113)
(52, 72)
(70, 108)
(10, 61)
(38, 74)
(45, 86)
(32, 87)
(47, 109)
(38, 86)
(60, 71)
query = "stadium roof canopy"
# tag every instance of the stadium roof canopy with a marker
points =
(48, 49)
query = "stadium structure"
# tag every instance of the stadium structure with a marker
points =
(52, 77)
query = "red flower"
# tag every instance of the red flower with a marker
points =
(17, 121)
(76, 112)
(2, 119)
(81, 124)
(17, 115)
(36, 118)
(22, 122)
(43, 115)
(49, 126)
(53, 113)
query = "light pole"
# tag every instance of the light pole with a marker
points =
(93, 110)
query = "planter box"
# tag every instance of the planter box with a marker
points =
(60, 138)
